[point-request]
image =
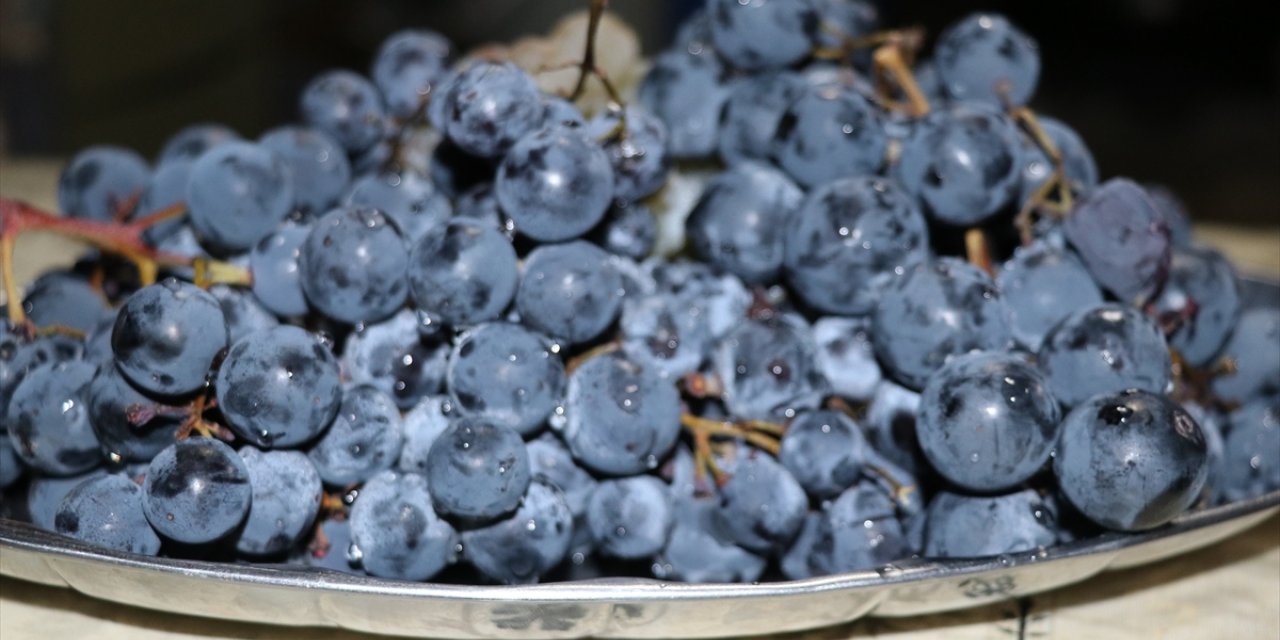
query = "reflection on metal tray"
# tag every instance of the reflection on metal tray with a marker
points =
(631, 607)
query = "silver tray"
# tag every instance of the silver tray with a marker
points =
(616, 608)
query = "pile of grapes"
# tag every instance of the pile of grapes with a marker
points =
(453, 328)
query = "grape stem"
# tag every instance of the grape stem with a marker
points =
(598, 350)
(978, 250)
(892, 58)
(760, 433)
(588, 66)
(121, 238)
(1040, 201)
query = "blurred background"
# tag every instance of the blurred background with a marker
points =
(1183, 92)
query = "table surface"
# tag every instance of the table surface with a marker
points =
(1230, 588)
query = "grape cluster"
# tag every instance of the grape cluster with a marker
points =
(487, 339)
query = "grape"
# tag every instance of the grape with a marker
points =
(196, 491)
(1042, 285)
(845, 19)
(635, 142)
(964, 163)
(721, 298)
(236, 194)
(890, 426)
(392, 357)
(46, 493)
(364, 439)
(629, 229)
(506, 374)
(241, 311)
(961, 526)
(751, 113)
(346, 106)
(192, 141)
(661, 331)
(274, 263)
(167, 187)
(1249, 465)
(1211, 423)
(130, 426)
(422, 424)
(849, 239)
(698, 549)
(555, 184)
(630, 517)
(621, 418)
(1201, 288)
(807, 557)
(864, 530)
(763, 34)
(1082, 172)
(1254, 348)
(761, 506)
(767, 369)
(846, 357)
(286, 495)
(100, 183)
(936, 310)
(569, 291)
(353, 265)
(550, 459)
(560, 112)
(167, 335)
(479, 204)
(317, 164)
(49, 422)
(490, 106)
(527, 544)
(1173, 211)
(986, 58)
(11, 467)
(63, 300)
(279, 387)
(107, 512)
(332, 553)
(477, 470)
(829, 132)
(408, 67)
(462, 273)
(684, 91)
(394, 531)
(1122, 239)
(406, 197)
(17, 357)
(987, 421)
(1103, 349)
(97, 342)
(1130, 461)
(824, 451)
(740, 222)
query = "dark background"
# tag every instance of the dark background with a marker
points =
(1184, 92)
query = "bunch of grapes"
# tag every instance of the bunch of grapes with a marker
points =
(451, 327)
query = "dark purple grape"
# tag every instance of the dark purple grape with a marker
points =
(1122, 239)
(1104, 349)
(987, 421)
(961, 526)
(1131, 461)
(107, 512)
(196, 491)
